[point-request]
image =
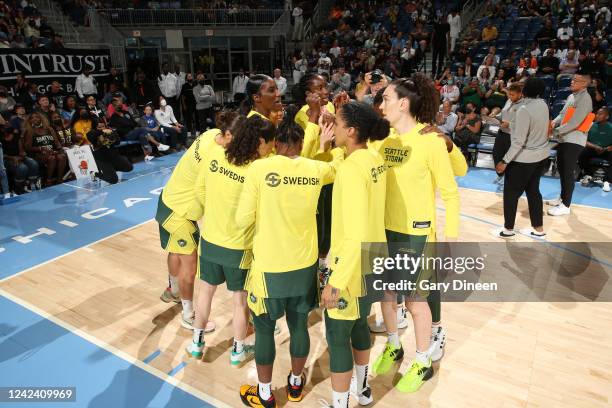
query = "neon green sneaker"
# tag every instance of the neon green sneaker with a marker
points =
(195, 350)
(415, 377)
(385, 361)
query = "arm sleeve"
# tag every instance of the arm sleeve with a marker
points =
(519, 135)
(328, 171)
(583, 108)
(440, 167)
(347, 263)
(458, 162)
(311, 140)
(247, 207)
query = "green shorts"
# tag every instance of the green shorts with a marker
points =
(414, 246)
(177, 234)
(275, 308)
(216, 274)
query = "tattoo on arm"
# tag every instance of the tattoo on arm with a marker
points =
(334, 291)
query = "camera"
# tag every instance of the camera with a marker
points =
(376, 76)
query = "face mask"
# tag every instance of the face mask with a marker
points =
(162, 102)
(85, 115)
(201, 82)
(37, 125)
(57, 121)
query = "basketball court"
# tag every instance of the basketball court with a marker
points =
(81, 272)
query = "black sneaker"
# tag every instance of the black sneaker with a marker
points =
(295, 392)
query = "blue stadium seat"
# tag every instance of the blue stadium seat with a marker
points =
(556, 108)
(549, 80)
(564, 82)
(562, 94)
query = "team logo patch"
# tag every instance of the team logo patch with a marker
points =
(214, 166)
(342, 304)
(182, 242)
(273, 179)
(253, 298)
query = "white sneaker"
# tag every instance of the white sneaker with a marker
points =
(533, 233)
(437, 343)
(606, 186)
(554, 202)
(378, 326)
(364, 396)
(247, 353)
(402, 322)
(7, 195)
(586, 180)
(148, 158)
(503, 233)
(162, 147)
(187, 322)
(561, 209)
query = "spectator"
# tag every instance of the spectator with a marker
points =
(528, 63)
(300, 66)
(5, 192)
(324, 64)
(508, 122)
(114, 76)
(496, 97)
(454, 20)
(549, 64)
(569, 65)
(468, 128)
(484, 77)
(56, 95)
(108, 159)
(204, 97)
(473, 92)
(461, 78)
(22, 169)
(583, 32)
(439, 41)
(298, 23)
(22, 87)
(7, 103)
(565, 32)
(167, 83)
(239, 86)
(446, 119)
(492, 55)
(571, 46)
(44, 107)
(64, 134)
(340, 81)
(155, 132)
(169, 125)
(599, 146)
(281, 82)
(18, 118)
(547, 32)
(534, 49)
(598, 95)
(86, 84)
(69, 108)
(489, 64)
(450, 92)
(144, 91)
(470, 71)
(127, 129)
(110, 108)
(18, 42)
(96, 112)
(113, 91)
(489, 33)
(30, 99)
(41, 143)
(189, 104)
(82, 123)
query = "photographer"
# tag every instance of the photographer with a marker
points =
(108, 159)
(372, 83)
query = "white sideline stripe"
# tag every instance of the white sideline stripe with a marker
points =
(73, 251)
(119, 353)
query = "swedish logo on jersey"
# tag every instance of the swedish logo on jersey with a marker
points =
(182, 243)
(273, 179)
(214, 165)
(342, 304)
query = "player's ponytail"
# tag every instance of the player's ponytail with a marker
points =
(288, 131)
(364, 119)
(422, 95)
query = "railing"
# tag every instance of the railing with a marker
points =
(107, 34)
(62, 23)
(470, 9)
(186, 17)
(282, 25)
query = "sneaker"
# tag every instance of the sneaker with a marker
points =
(247, 353)
(250, 397)
(295, 392)
(364, 396)
(533, 233)
(606, 186)
(415, 377)
(437, 343)
(586, 180)
(7, 196)
(149, 157)
(378, 326)
(187, 322)
(168, 296)
(561, 209)
(502, 233)
(402, 322)
(195, 350)
(162, 147)
(554, 202)
(385, 361)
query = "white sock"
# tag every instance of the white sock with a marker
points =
(422, 357)
(362, 377)
(198, 338)
(265, 390)
(434, 328)
(238, 346)
(187, 307)
(174, 285)
(340, 399)
(295, 379)
(393, 339)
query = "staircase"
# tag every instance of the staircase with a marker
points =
(73, 35)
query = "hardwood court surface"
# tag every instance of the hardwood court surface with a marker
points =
(509, 354)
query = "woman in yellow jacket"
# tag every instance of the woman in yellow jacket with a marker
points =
(417, 165)
(358, 217)
(262, 97)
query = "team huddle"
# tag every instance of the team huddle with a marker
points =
(284, 241)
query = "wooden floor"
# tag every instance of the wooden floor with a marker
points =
(507, 354)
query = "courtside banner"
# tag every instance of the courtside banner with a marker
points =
(490, 271)
(43, 66)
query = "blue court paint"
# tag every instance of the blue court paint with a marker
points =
(115, 208)
(482, 179)
(152, 356)
(36, 352)
(176, 369)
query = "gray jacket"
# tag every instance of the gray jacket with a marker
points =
(204, 96)
(529, 138)
(567, 133)
(508, 114)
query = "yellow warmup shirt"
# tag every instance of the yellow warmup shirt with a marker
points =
(179, 192)
(254, 112)
(458, 162)
(218, 188)
(358, 216)
(280, 198)
(310, 149)
(83, 127)
(417, 164)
